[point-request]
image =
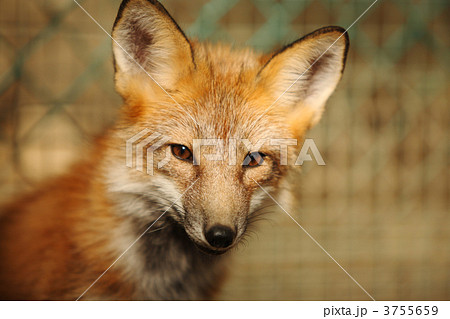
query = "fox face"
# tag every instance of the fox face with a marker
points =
(220, 116)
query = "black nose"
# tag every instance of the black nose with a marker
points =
(220, 236)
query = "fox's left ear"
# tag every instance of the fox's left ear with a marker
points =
(305, 73)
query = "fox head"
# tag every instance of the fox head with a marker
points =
(203, 119)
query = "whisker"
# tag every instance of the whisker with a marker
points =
(158, 229)
(152, 200)
(262, 208)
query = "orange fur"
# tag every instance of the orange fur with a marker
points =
(55, 242)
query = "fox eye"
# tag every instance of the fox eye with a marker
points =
(254, 159)
(181, 152)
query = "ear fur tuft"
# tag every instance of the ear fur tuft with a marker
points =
(148, 42)
(306, 72)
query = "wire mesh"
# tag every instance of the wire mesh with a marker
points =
(380, 206)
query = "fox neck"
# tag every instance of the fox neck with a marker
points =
(161, 262)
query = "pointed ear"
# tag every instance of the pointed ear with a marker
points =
(306, 72)
(148, 42)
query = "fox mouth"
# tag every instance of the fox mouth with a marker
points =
(207, 249)
(202, 246)
(210, 251)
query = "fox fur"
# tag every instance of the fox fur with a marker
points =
(56, 241)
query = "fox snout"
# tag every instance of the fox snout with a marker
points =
(217, 231)
(219, 236)
(217, 208)
(215, 239)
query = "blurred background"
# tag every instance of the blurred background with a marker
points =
(380, 206)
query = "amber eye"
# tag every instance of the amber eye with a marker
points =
(254, 159)
(181, 152)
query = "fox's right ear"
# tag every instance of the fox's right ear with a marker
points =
(147, 41)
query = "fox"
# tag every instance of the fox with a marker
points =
(108, 231)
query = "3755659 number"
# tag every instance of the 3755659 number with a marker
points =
(411, 310)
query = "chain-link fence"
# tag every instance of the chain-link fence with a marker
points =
(380, 206)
